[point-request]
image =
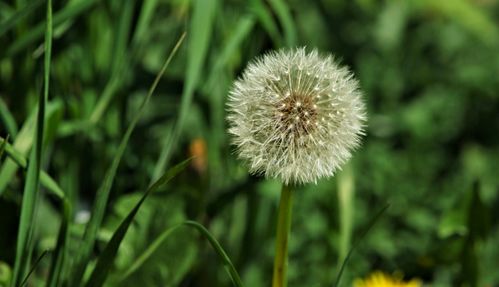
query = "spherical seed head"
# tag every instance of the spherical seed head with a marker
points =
(295, 115)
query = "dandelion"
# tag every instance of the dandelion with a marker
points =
(295, 116)
(380, 279)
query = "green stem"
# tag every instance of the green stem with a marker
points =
(283, 227)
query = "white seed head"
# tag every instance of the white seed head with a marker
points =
(275, 135)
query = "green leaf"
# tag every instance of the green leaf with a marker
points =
(104, 190)
(201, 25)
(106, 259)
(29, 203)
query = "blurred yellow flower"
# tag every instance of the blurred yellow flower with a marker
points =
(380, 279)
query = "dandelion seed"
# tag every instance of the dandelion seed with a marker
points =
(289, 147)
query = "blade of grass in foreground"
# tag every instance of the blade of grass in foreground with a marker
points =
(104, 190)
(369, 226)
(106, 259)
(25, 280)
(236, 280)
(30, 194)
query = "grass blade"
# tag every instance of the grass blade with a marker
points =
(29, 201)
(146, 14)
(24, 141)
(106, 259)
(148, 252)
(8, 119)
(202, 23)
(59, 257)
(25, 280)
(349, 254)
(104, 190)
(19, 16)
(119, 62)
(45, 179)
(3, 145)
(346, 192)
(241, 32)
(267, 21)
(236, 280)
(284, 15)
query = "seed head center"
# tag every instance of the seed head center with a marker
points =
(297, 114)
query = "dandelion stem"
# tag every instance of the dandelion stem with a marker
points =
(283, 227)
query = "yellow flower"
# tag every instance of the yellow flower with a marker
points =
(380, 279)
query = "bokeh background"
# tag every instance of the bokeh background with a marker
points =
(429, 70)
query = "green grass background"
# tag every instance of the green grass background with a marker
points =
(429, 71)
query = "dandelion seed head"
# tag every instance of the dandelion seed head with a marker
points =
(282, 125)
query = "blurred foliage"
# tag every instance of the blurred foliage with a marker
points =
(429, 71)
